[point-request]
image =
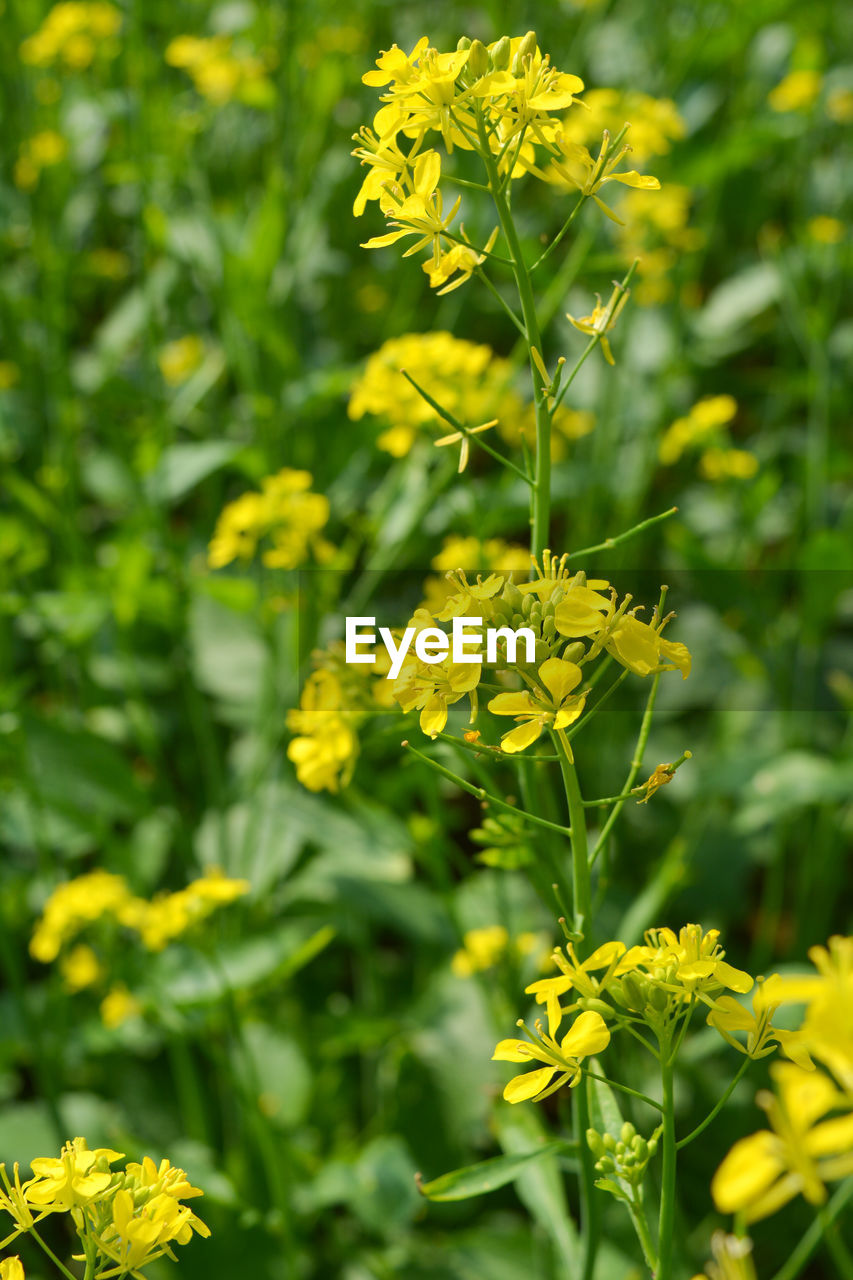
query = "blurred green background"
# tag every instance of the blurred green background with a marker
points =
(183, 309)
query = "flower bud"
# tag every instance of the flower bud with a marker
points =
(632, 992)
(574, 651)
(641, 1148)
(598, 1006)
(512, 596)
(627, 1132)
(527, 49)
(542, 652)
(464, 42)
(478, 59)
(527, 601)
(536, 613)
(658, 999)
(609, 1142)
(595, 1143)
(500, 52)
(606, 1165)
(549, 628)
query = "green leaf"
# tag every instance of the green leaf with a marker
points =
(604, 1112)
(183, 466)
(488, 1175)
(541, 1186)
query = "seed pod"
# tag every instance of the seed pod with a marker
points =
(478, 59)
(501, 54)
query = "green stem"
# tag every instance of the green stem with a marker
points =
(51, 1254)
(810, 1241)
(482, 794)
(582, 895)
(609, 543)
(636, 765)
(667, 1198)
(623, 1088)
(541, 496)
(641, 1226)
(700, 1128)
(835, 1246)
(589, 1203)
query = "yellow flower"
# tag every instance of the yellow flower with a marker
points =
(643, 650)
(729, 1016)
(461, 261)
(285, 511)
(588, 1035)
(728, 464)
(732, 1258)
(602, 320)
(420, 214)
(221, 72)
(655, 122)
(432, 687)
(573, 167)
(178, 360)
(326, 749)
(579, 976)
(826, 230)
(13, 1200)
(839, 105)
(74, 905)
(74, 33)
(797, 92)
(75, 1178)
(555, 709)
(80, 968)
(705, 417)
(11, 1269)
(797, 1155)
(118, 1006)
(481, 949)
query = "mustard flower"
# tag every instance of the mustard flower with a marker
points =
(74, 1179)
(481, 949)
(643, 650)
(732, 1258)
(798, 91)
(284, 511)
(433, 687)
(420, 214)
(13, 1200)
(705, 417)
(574, 167)
(74, 905)
(554, 708)
(800, 1152)
(728, 1016)
(11, 1269)
(602, 320)
(728, 464)
(326, 747)
(827, 1029)
(587, 1035)
(460, 261)
(73, 34)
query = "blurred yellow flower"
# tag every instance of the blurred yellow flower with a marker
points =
(481, 949)
(705, 417)
(221, 71)
(118, 1006)
(178, 360)
(728, 464)
(11, 1269)
(285, 511)
(798, 91)
(655, 122)
(732, 1258)
(826, 230)
(39, 152)
(74, 34)
(839, 105)
(72, 906)
(326, 748)
(80, 968)
(10, 375)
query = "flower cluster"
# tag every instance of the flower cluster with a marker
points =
(285, 511)
(336, 699)
(484, 948)
(73, 34)
(810, 1110)
(704, 427)
(472, 384)
(656, 232)
(659, 983)
(100, 896)
(221, 71)
(504, 101)
(124, 1219)
(573, 621)
(655, 122)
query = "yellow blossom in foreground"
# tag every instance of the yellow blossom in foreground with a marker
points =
(797, 92)
(555, 708)
(73, 1179)
(587, 1035)
(827, 1030)
(11, 1269)
(642, 649)
(13, 1201)
(799, 1153)
(432, 687)
(178, 360)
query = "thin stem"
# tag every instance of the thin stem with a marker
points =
(589, 1201)
(559, 236)
(481, 275)
(581, 891)
(480, 748)
(836, 1247)
(622, 287)
(623, 1088)
(641, 1226)
(810, 1241)
(700, 1128)
(465, 431)
(636, 765)
(541, 512)
(666, 1222)
(482, 794)
(51, 1254)
(622, 537)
